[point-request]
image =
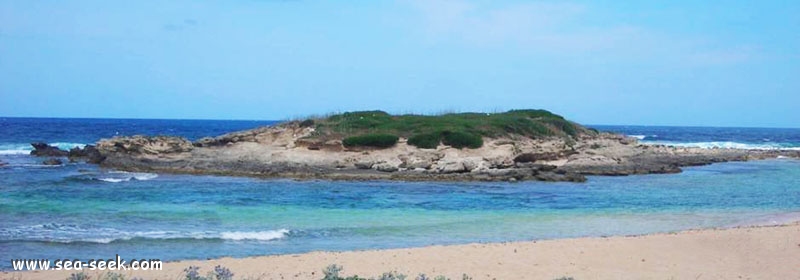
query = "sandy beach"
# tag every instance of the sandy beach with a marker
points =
(767, 252)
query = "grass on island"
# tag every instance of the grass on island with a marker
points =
(460, 130)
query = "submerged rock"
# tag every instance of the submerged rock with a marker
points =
(52, 161)
(41, 149)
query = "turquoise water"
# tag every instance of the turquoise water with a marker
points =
(82, 211)
(75, 211)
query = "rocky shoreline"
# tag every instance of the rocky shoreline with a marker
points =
(286, 151)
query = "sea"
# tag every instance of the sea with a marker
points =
(82, 211)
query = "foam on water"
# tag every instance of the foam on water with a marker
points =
(114, 180)
(725, 145)
(770, 220)
(255, 235)
(122, 176)
(69, 233)
(26, 148)
(15, 152)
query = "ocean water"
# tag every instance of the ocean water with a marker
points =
(82, 211)
(712, 137)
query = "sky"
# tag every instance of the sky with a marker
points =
(691, 63)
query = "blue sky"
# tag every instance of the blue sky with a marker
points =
(708, 63)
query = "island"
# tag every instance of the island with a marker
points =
(374, 145)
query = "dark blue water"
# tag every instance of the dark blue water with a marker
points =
(82, 211)
(21, 131)
(709, 137)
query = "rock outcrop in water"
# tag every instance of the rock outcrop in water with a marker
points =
(142, 145)
(286, 150)
(88, 154)
(41, 149)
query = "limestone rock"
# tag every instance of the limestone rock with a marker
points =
(364, 164)
(386, 167)
(143, 145)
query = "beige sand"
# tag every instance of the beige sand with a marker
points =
(740, 253)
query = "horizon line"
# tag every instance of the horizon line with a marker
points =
(287, 120)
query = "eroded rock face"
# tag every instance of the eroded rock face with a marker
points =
(144, 145)
(89, 154)
(364, 165)
(283, 135)
(532, 157)
(41, 149)
(415, 161)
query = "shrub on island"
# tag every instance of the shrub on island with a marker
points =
(371, 140)
(425, 140)
(307, 123)
(460, 140)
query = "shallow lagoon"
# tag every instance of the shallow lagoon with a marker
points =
(81, 211)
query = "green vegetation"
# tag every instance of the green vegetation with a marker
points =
(307, 123)
(460, 130)
(462, 140)
(332, 273)
(371, 140)
(425, 140)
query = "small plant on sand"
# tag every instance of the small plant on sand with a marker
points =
(193, 273)
(222, 273)
(113, 276)
(392, 276)
(219, 273)
(565, 278)
(78, 276)
(331, 272)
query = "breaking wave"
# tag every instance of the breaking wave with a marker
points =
(25, 148)
(727, 145)
(122, 176)
(64, 233)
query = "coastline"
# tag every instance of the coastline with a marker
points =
(284, 151)
(753, 252)
(518, 145)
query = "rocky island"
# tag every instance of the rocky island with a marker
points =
(369, 145)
